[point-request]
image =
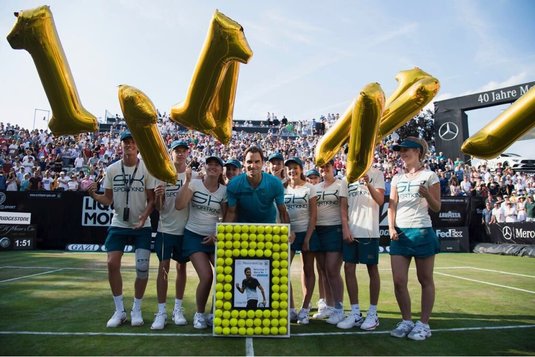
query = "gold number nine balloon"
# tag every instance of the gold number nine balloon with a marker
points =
(35, 32)
(141, 117)
(224, 43)
(503, 131)
(365, 121)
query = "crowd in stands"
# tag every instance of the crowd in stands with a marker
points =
(37, 160)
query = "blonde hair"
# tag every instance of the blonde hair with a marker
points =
(423, 143)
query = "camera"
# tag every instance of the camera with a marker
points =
(126, 213)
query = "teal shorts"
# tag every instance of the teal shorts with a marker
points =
(192, 244)
(169, 246)
(415, 242)
(118, 238)
(330, 238)
(313, 245)
(362, 251)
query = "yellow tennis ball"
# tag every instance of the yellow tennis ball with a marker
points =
(228, 253)
(219, 269)
(275, 288)
(229, 261)
(252, 245)
(237, 228)
(260, 237)
(268, 245)
(284, 263)
(221, 236)
(233, 322)
(220, 278)
(244, 244)
(236, 244)
(236, 252)
(220, 228)
(275, 296)
(234, 330)
(219, 295)
(227, 269)
(275, 304)
(227, 244)
(218, 330)
(283, 321)
(228, 236)
(227, 305)
(258, 330)
(276, 229)
(228, 278)
(266, 330)
(244, 236)
(269, 229)
(250, 331)
(252, 252)
(283, 297)
(267, 253)
(260, 245)
(258, 313)
(260, 229)
(225, 322)
(227, 287)
(275, 263)
(275, 313)
(249, 322)
(284, 272)
(242, 331)
(259, 253)
(284, 229)
(283, 313)
(234, 313)
(282, 330)
(257, 322)
(226, 331)
(266, 313)
(241, 323)
(243, 252)
(284, 247)
(283, 255)
(218, 313)
(217, 321)
(243, 314)
(219, 304)
(276, 257)
(284, 280)
(220, 261)
(284, 288)
(236, 236)
(245, 229)
(274, 330)
(226, 314)
(269, 237)
(252, 229)
(252, 237)
(274, 271)
(275, 280)
(276, 238)
(228, 295)
(283, 305)
(228, 228)
(275, 322)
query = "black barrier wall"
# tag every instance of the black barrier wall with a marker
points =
(62, 218)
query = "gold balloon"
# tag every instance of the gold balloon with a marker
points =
(223, 104)
(408, 105)
(503, 131)
(225, 42)
(35, 32)
(141, 118)
(365, 121)
(406, 79)
(331, 142)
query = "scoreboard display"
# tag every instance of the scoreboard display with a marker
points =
(17, 237)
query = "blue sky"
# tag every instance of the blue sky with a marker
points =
(310, 57)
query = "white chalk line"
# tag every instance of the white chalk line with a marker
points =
(30, 276)
(485, 282)
(160, 334)
(249, 349)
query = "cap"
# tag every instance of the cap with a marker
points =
(126, 135)
(233, 162)
(408, 144)
(179, 143)
(294, 159)
(276, 155)
(312, 172)
(218, 159)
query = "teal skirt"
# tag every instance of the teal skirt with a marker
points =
(415, 242)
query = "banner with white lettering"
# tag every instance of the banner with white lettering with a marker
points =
(95, 214)
(517, 233)
(15, 217)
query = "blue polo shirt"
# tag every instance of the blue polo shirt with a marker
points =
(255, 205)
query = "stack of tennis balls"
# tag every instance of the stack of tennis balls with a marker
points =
(269, 241)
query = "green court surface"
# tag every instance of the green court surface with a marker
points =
(57, 303)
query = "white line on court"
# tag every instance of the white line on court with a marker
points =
(504, 272)
(249, 349)
(29, 276)
(485, 282)
(132, 334)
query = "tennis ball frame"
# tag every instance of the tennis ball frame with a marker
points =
(283, 323)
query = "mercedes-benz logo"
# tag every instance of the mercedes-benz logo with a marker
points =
(5, 242)
(448, 131)
(507, 232)
(2, 198)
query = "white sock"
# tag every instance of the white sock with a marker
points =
(119, 305)
(355, 309)
(372, 310)
(178, 304)
(137, 304)
(161, 307)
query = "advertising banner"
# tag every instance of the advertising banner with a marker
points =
(17, 237)
(252, 280)
(517, 233)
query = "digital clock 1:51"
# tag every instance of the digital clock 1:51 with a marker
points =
(23, 243)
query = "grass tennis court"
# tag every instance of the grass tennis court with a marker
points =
(57, 303)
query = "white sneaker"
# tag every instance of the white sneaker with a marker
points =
(178, 317)
(402, 329)
(302, 318)
(293, 316)
(323, 313)
(160, 320)
(420, 332)
(199, 321)
(336, 317)
(137, 318)
(371, 322)
(321, 304)
(210, 320)
(352, 320)
(118, 318)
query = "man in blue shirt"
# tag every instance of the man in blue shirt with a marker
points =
(251, 195)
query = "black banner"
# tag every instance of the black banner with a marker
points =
(517, 233)
(453, 212)
(17, 237)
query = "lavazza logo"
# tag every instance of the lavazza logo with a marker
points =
(450, 233)
(450, 214)
(510, 233)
